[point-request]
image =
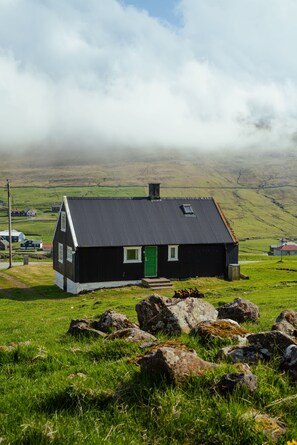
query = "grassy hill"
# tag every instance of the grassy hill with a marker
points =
(258, 192)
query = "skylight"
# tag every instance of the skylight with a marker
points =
(187, 209)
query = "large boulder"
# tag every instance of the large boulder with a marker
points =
(239, 310)
(275, 342)
(289, 361)
(173, 316)
(174, 364)
(230, 382)
(86, 328)
(286, 322)
(134, 335)
(219, 329)
(111, 321)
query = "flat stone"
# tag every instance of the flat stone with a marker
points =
(84, 327)
(111, 321)
(244, 354)
(275, 342)
(134, 335)
(286, 322)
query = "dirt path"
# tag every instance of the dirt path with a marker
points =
(16, 283)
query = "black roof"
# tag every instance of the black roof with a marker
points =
(141, 221)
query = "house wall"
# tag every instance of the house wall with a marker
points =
(106, 263)
(66, 268)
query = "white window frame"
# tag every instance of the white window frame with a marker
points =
(60, 253)
(175, 247)
(63, 221)
(69, 254)
(139, 255)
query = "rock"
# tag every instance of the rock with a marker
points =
(286, 322)
(230, 382)
(239, 310)
(219, 329)
(85, 327)
(244, 354)
(175, 364)
(111, 321)
(289, 361)
(272, 427)
(134, 335)
(173, 316)
(150, 307)
(275, 342)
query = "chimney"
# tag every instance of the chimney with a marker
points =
(154, 191)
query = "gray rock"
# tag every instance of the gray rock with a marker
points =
(286, 322)
(134, 335)
(173, 316)
(244, 354)
(230, 382)
(111, 321)
(150, 307)
(239, 310)
(289, 361)
(85, 327)
(275, 342)
(175, 364)
(219, 329)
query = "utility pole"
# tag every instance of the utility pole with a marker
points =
(9, 225)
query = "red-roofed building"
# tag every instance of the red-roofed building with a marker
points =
(284, 249)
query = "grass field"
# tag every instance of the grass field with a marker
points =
(59, 390)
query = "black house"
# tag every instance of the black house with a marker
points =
(109, 242)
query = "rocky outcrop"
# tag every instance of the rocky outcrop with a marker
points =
(286, 322)
(85, 327)
(219, 329)
(175, 364)
(173, 317)
(111, 321)
(239, 310)
(270, 426)
(289, 361)
(134, 335)
(230, 382)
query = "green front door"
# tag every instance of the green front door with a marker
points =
(150, 263)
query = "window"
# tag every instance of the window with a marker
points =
(63, 221)
(60, 253)
(173, 253)
(132, 255)
(69, 254)
(187, 209)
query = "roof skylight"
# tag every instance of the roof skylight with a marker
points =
(187, 209)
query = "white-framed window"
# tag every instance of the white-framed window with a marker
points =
(60, 253)
(69, 254)
(132, 254)
(63, 221)
(173, 252)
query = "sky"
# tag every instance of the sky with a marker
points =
(148, 74)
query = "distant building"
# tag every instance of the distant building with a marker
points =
(31, 244)
(16, 236)
(3, 244)
(56, 208)
(284, 249)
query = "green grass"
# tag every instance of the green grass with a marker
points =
(61, 390)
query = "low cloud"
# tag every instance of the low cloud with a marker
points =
(100, 75)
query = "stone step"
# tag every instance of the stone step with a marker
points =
(157, 283)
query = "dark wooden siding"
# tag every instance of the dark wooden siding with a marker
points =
(106, 263)
(67, 269)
